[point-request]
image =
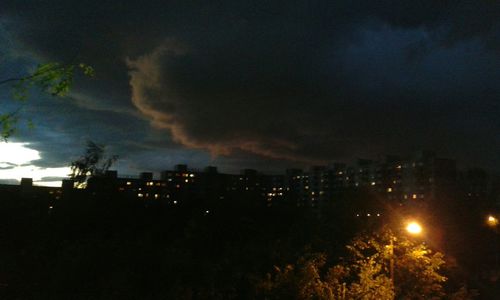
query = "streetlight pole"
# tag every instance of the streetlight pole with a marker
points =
(412, 228)
(493, 222)
(391, 262)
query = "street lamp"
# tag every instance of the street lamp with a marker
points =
(413, 228)
(492, 221)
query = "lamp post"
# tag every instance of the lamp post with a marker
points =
(492, 221)
(413, 228)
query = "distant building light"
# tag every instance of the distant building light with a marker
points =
(175, 201)
(191, 175)
(129, 183)
(156, 196)
(373, 183)
(368, 215)
(207, 212)
(414, 196)
(389, 190)
(51, 207)
(186, 181)
(140, 195)
(378, 215)
(357, 215)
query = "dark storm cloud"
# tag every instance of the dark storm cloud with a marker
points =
(307, 82)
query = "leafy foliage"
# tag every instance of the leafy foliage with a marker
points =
(53, 78)
(364, 273)
(92, 163)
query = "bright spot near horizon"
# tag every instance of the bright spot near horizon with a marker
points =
(17, 154)
(414, 228)
(16, 162)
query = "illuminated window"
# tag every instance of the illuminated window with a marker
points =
(156, 196)
(191, 175)
(373, 183)
(140, 195)
(129, 183)
(414, 196)
(186, 181)
(368, 215)
(175, 201)
(389, 190)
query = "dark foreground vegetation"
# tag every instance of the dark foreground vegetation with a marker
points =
(101, 247)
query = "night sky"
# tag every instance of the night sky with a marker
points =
(265, 85)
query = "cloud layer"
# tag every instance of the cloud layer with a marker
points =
(302, 83)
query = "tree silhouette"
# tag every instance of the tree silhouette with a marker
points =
(93, 163)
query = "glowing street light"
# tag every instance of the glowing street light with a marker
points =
(492, 221)
(414, 228)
